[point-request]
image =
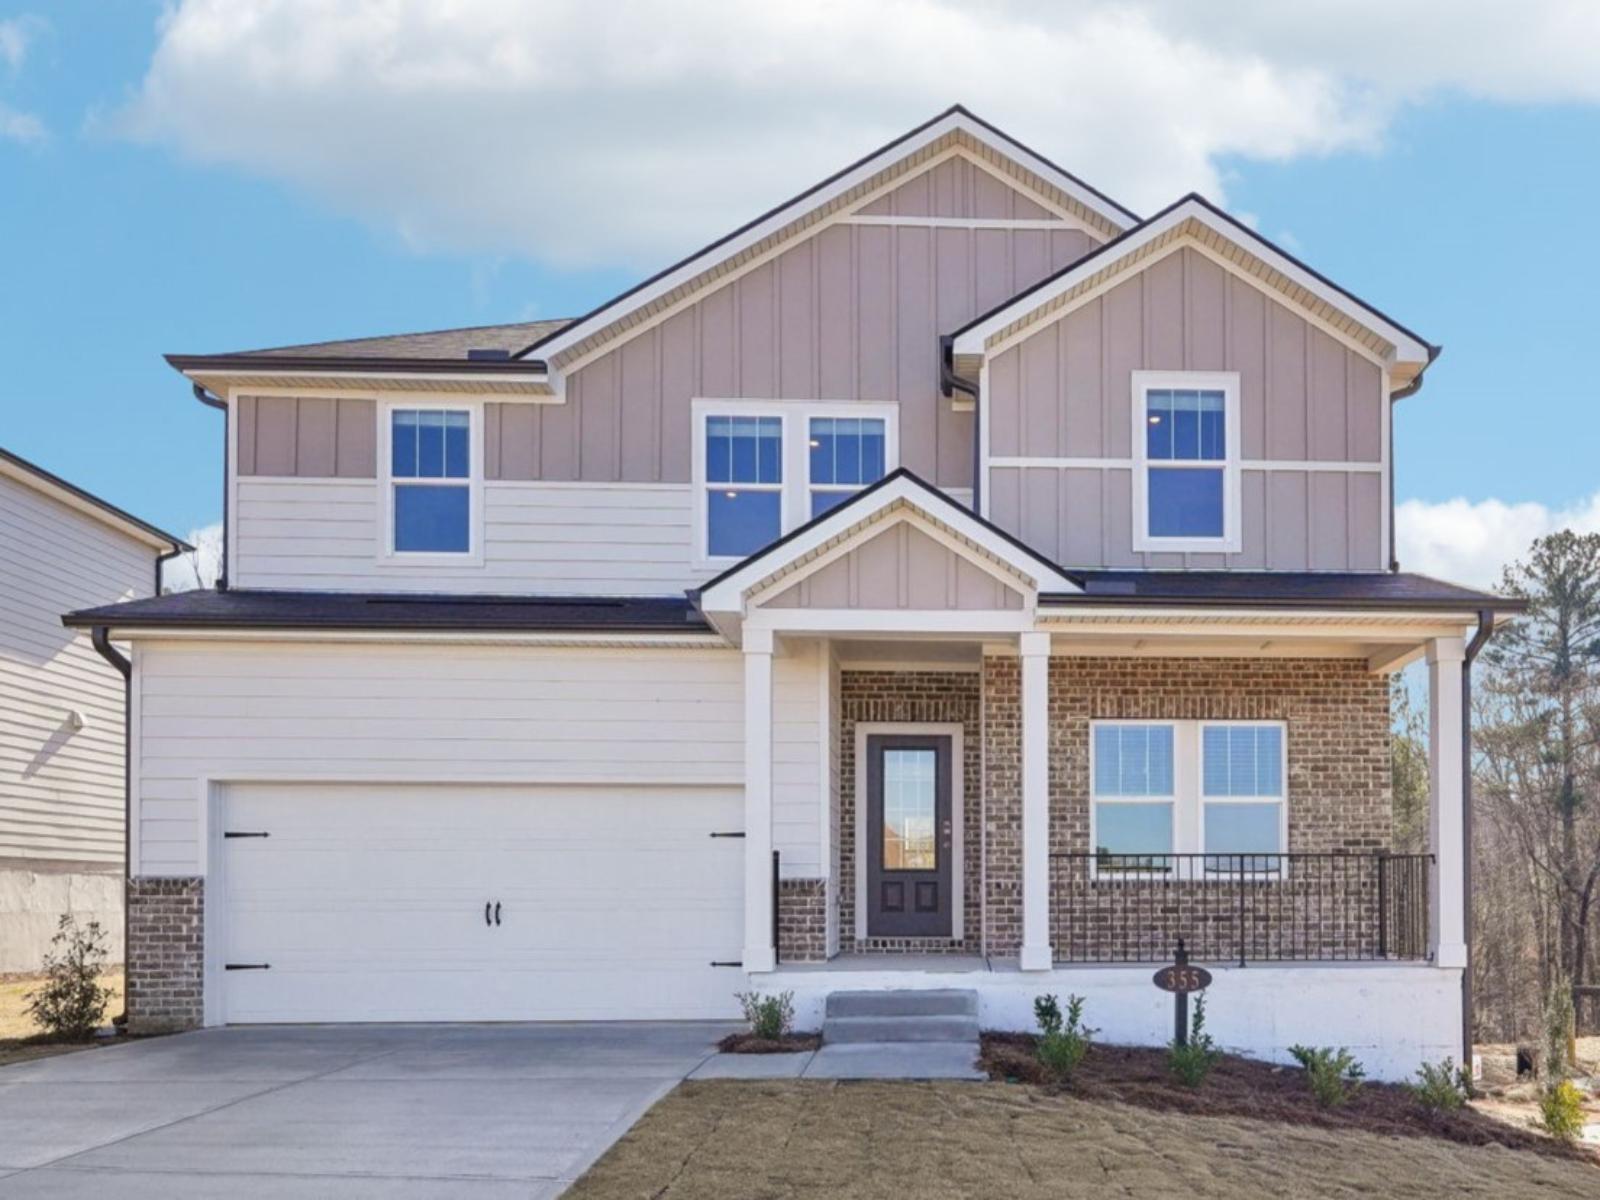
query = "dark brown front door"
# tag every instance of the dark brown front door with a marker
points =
(908, 836)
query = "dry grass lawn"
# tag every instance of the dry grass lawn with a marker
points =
(17, 1027)
(796, 1140)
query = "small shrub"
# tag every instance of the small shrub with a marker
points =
(1561, 1111)
(1191, 1063)
(770, 1017)
(1334, 1075)
(1063, 1042)
(71, 1003)
(1441, 1086)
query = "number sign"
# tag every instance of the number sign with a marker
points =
(1182, 979)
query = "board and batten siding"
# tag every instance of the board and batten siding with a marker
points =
(1305, 398)
(853, 312)
(60, 787)
(461, 714)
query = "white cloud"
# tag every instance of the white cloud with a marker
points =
(15, 35)
(197, 570)
(1472, 542)
(577, 133)
(18, 126)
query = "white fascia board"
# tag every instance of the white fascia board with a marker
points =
(1407, 348)
(765, 228)
(727, 594)
(357, 375)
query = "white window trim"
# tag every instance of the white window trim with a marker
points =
(388, 556)
(795, 505)
(1188, 791)
(1227, 382)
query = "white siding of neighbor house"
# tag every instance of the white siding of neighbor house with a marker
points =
(60, 788)
(223, 711)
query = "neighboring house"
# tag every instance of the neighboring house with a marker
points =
(947, 579)
(62, 708)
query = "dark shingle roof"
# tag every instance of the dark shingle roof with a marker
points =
(362, 610)
(1277, 589)
(436, 344)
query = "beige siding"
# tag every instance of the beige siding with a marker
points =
(1065, 392)
(309, 437)
(900, 568)
(611, 539)
(60, 788)
(852, 313)
(458, 713)
(957, 188)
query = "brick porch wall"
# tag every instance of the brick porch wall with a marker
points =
(1338, 783)
(166, 954)
(913, 697)
(802, 920)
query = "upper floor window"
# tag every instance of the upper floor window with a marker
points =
(764, 467)
(430, 480)
(1186, 482)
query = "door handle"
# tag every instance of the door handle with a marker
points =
(485, 912)
(497, 912)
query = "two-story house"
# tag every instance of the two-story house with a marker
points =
(948, 579)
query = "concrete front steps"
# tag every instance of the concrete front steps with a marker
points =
(929, 1034)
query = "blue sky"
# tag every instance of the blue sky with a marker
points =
(1468, 218)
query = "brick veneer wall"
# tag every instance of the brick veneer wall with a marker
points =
(909, 697)
(1337, 716)
(802, 920)
(166, 954)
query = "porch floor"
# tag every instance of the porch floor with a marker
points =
(940, 964)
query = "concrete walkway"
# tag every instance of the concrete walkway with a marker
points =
(860, 1060)
(343, 1113)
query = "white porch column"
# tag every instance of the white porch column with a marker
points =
(1035, 651)
(1446, 838)
(759, 952)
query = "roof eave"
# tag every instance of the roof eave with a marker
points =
(88, 503)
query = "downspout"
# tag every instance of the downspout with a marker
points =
(100, 638)
(211, 401)
(1485, 632)
(949, 384)
(161, 561)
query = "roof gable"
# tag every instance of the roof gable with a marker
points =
(955, 130)
(73, 496)
(898, 497)
(1193, 220)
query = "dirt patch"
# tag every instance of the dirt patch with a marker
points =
(1243, 1087)
(15, 1023)
(810, 1139)
(749, 1043)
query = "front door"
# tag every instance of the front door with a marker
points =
(908, 836)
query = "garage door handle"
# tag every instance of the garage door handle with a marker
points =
(497, 912)
(486, 912)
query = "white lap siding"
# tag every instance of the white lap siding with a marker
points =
(60, 785)
(223, 711)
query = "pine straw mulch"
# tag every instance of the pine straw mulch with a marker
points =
(749, 1043)
(1242, 1087)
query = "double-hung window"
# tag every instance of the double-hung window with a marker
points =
(1186, 482)
(763, 467)
(1210, 790)
(430, 481)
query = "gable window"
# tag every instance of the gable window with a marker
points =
(1186, 482)
(430, 481)
(763, 467)
(1201, 788)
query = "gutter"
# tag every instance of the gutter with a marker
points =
(100, 638)
(211, 401)
(1479, 639)
(949, 384)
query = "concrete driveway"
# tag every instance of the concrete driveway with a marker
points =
(446, 1112)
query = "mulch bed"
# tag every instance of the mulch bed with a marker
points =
(749, 1043)
(1242, 1087)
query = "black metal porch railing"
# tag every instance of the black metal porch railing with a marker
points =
(1305, 907)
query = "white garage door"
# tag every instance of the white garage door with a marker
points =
(480, 903)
